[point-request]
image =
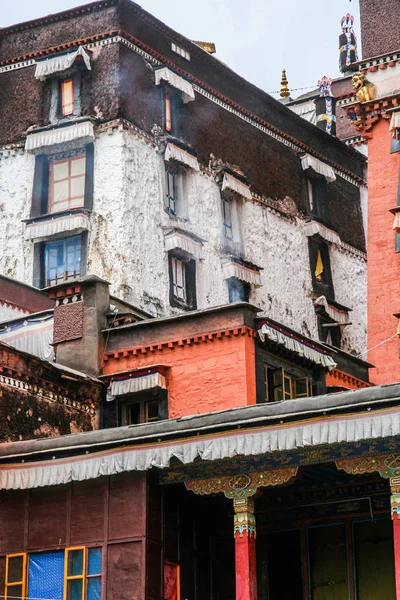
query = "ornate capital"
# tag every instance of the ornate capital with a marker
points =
(242, 485)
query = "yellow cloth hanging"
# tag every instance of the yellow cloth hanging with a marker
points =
(319, 267)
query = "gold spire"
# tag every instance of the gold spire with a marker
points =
(285, 93)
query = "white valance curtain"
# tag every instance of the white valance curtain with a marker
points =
(184, 242)
(59, 135)
(176, 81)
(234, 269)
(60, 63)
(44, 229)
(138, 384)
(339, 316)
(235, 185)
(173, 152)
(33, 335)
(296, 346)
(310, 162)
(316, 228)
(396, 222)
(395, 122)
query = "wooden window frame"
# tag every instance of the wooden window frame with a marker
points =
(189, 270)
(67, 112)
(69, 178)
(271, 391)
(81, 577)
(23, 582)
(47, 282)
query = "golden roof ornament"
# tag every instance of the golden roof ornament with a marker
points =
(284, 93)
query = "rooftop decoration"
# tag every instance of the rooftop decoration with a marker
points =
(207, 46)
(347, 44)
(325, 106)
(285, 92)
(325, 86)
(365, 90)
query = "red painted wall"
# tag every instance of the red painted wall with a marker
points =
(205, 376)
(383, 262)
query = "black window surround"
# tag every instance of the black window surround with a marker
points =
(189, 274)
(171, 112)
(238, 290)
(324, 285)
(317, 188)
(56, 114)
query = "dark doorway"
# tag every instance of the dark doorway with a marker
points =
(278, 555)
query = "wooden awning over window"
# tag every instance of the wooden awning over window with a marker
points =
(315, 228)
(310, 162)
(46, 227)
(60, 63)
(59, 135)
(174, 152)
(176, 81)
(131, 385)
(234, 269)
(230, 182)
(180, 240)
(340, 316)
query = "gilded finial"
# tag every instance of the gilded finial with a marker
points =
(284, 93)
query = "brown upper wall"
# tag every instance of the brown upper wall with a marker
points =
(380, 32)
(23, 296)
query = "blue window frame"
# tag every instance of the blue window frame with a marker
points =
(62, 260)
(93, 574)
(227, 218)
(171, 191)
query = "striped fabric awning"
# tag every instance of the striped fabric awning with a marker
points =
(315, 228)
(183, 242)
(60, 63)
(131, 385)
(32, 334)
(62, 224)
(59, 135)
(234, 184)
(234, 269)
(310, 162)
(176, 81)
(178, 154)
(395, 122)
(338, 315)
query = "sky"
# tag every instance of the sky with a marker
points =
(257, 38)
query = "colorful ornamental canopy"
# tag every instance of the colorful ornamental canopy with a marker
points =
(310, 162)
(60, 63)
(177, 82)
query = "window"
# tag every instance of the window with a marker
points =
(172, 106)
(239, 291)
(63, 181)
(67, 183)
(171, 191)
(181, 51)
(280, 385)
(168, 113)
(15, 576)
(230, 213)
(73, 574)
(62, 260)
(320, 268)
(182, 271)
(227, 217)
(317, 192)
(67, 97)
(144, 407)
(329, 331)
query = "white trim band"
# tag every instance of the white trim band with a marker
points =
(179, 240)
(339, 316)
(315, 228)
(138, 384)
(173, 152)
(234, 269)
(60, 135)
(296, 346)
(310, 162)
(395, 122)
(176, 81)
(58, 64)
(44, 229)
(234, 184)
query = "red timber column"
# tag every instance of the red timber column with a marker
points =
(245, 549)
(395, 509)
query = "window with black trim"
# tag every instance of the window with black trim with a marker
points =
(239, 291)
(230, 217)
(281, 384)
(144, 407)
(328, 330)
(320, 268)
(182, 280)
(317, 192)
(63, 181)
(172, 105)
(175, 191)
(60, 260)
(65, 96)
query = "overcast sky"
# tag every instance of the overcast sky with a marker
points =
(257, 38)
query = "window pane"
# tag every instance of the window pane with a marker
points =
(78, 187)
(15, 569)
(94, 588)
(152, 410)
(78, 166)
(75, 562)
(15, 591)
(67, 94)
(60, 191)
(60, 170)
(46, 575)
(133, 414)
(74, 589)
(94, 561)
(301, 387)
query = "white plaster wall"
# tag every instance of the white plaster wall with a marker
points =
(16, 181)
(349, 276)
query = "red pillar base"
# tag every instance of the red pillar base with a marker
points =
(245, 549)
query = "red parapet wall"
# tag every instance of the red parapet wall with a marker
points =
(336, 378)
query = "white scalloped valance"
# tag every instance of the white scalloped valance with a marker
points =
(60, 63)
(339, 316)
(395, 122)
(297, 346)
(138, 384)
(184, 242)
(49, 227)
(174, 152)
(234, 184)
(33, 335)
(396, 222)
(177, 82)
(316, 228)
(234, 269)
(310, 162)
(59, 135)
